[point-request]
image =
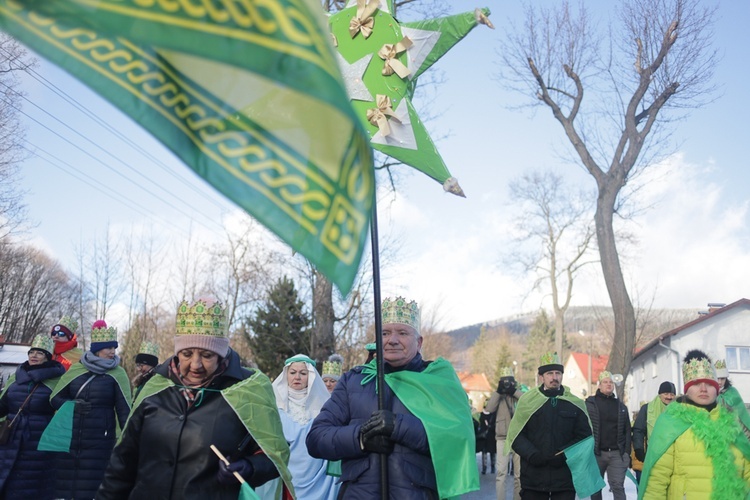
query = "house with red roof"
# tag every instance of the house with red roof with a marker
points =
(477, 387)
(582, 373)
(722, 332)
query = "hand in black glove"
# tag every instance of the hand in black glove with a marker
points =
(377, 444)
(537, 459)
(381, 423)
(556, 460)
(226, 476)
(640, 454)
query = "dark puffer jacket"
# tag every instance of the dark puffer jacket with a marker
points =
(94, 433)
(623, 422)
(549, 430)
(25, 472)
(334, 435)
(165, 449)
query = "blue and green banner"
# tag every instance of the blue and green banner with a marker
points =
(247, 94)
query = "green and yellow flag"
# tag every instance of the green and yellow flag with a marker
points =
(247, 94)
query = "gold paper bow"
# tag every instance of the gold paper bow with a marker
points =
(363, 21)
(392, 65)
(379, 116)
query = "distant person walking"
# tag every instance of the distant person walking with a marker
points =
(503, 404)
(611, 429)
(647, 415)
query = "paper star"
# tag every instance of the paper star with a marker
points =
(397, 54)
(355, 86)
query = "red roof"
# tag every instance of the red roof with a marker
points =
(474, 382)
(598, 364)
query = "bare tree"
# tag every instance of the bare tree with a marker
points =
(556, 222)
(659, 57)
(13, 61)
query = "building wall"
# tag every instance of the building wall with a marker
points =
(730, 328)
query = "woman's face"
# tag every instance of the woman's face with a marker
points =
(37, 357)
(108, 353)
(702, 393)
(297, 375)
(196, 365)
(330, 383)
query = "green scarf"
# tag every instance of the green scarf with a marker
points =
(435, 396)
(653, 410)
(718, 435)
(528, 404)
(254, 403)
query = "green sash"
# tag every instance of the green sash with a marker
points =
(254, 403)
(676, 420)
(435, 396)
(653, 410)
(528, 404)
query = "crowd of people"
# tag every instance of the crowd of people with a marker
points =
(200, 425)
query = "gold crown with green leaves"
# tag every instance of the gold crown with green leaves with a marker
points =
(201, 318)
(149, 348)
(721, 363)
(398, 310)
(103, 333)
(698, 369)
(43, 342)
(506, 371)
(604, 374)
(549, 358)
(68, 322)
(334, 367)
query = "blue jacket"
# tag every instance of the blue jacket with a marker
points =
(24, 471)
(334, 435)
(94, 432)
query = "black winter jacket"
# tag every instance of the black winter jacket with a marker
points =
(94, 432)
(165, 448)
(623, 423)
(25, 472)
(549, 430)
(334, 435)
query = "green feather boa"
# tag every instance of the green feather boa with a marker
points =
(718, 438)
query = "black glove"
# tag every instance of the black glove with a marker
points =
(537, 459)
(556, 460)
(226, 476)
(82, 406)
(377, 444)
(640, 454)
(381, 423)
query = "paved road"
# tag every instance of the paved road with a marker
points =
(487, 488)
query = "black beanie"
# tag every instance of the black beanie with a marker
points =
(147, 359)
(667, 387)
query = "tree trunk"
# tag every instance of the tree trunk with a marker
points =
(323, 341)
(624, 337)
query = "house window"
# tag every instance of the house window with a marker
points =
(654, 368)
(738, 359)
(643, 374)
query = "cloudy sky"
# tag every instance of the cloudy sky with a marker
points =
(95, 168)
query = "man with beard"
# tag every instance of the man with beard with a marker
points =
(548, 419)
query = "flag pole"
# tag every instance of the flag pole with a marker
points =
(378, 336)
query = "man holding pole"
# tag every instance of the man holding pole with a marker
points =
(548, 420)
(424, 430)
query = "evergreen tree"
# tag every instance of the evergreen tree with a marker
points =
(541, 340)
(279, 329)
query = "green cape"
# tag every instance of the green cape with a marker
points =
(50, 382)
(732, 400)
(528, 404)
(435, 396)
(59, 432)
(254, 403)
(725, 431)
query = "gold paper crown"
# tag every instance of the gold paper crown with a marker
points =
(68, 322)
(43, 342)
(398, 310)
(149, 348)
(721, 363)
(103, 333)
(333, 367)
(201, 318)
(698, 369)
(506, 371)
(549, 358)
(604, 374)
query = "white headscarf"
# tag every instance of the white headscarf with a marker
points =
(302, 405)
